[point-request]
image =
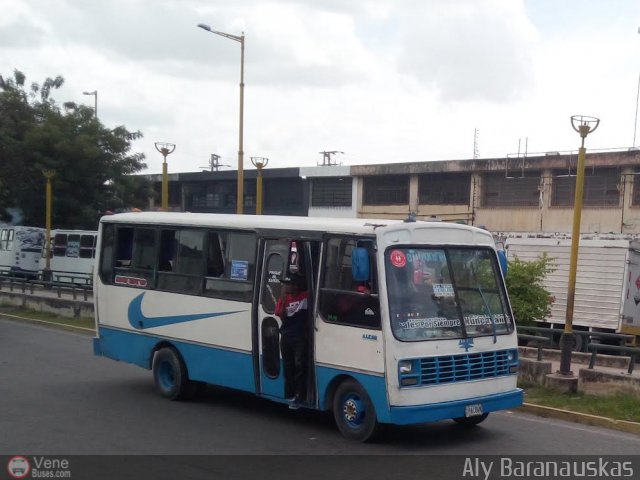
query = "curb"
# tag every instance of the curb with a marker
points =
(62, 326)
(582, 418)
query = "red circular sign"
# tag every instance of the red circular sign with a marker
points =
(398, 258)
(18, 467)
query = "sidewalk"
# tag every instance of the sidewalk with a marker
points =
(608, 375)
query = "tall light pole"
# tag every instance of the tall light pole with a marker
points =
(240, 188)
(635, 123)
(165, 149)
(259, 163)
(95, 101)
(584, 126)
(46, 273)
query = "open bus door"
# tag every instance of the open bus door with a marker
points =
(280, 258)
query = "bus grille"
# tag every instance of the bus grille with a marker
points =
(468, 366)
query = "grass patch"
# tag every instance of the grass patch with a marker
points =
(84, 322)
(619, 406)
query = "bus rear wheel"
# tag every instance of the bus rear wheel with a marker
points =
(354, 412)
(171, 377)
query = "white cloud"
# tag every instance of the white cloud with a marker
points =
(381, 80)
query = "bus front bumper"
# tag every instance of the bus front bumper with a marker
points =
(416, 414)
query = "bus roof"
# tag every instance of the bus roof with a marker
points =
(273, 222)
(357, 226)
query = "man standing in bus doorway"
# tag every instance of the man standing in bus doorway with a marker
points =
(292, 308)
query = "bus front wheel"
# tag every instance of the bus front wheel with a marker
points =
(354, 412)
(171, 377)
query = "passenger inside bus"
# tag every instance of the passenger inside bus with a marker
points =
(292, 308)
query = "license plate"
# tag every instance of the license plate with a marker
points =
(474, 410)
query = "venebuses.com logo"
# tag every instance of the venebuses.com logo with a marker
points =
(38, 467)
(18, 467)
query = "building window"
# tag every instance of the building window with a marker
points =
(600, 188)
(444, 189)
(635, 199)
(279, 193)
(331, 192)
(501, 191)
(386, 190)
(217, 195)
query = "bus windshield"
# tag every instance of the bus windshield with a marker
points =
(445, 293)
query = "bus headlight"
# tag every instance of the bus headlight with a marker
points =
(405, 366)
(512, 356)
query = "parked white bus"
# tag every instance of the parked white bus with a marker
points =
(21, 250)
(192, 297)
(72, 256)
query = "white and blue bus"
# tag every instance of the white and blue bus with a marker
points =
(409, 321)
(72, 256)
(21, 250)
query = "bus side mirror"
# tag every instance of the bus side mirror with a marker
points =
(502, 259)
(360, 264)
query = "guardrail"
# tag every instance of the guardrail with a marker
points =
(33, 287)
(594, 347)
(540, 340)
(621, 338)
(632, 351)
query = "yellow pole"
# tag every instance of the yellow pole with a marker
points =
(259, 163)
(165, 186)
(46, 273)
(259, 191)
(575, 239)
(240, 188)
(165, 149)
(585, 126)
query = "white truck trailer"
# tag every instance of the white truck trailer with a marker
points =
(607, 297)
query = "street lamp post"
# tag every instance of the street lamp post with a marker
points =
(95, 101)
(165, 149)
(635, 123)
(46, 272)
(240, 188)
(259, 163)
(584, 126)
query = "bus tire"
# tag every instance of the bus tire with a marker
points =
(354, 412)
(170, 375)
(471, 421)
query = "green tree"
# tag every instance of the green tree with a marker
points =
(93, 163)
(529, 299)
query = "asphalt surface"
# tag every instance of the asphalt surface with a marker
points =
(58, 399)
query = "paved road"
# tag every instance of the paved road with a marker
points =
(58, 399)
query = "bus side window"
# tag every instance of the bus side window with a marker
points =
(233, 259)
(167, 250)
(4, 238)
(87, 246)
(124, 247)
(215, 259)
(342, 299)
(106, 261)
(144, 249)
(60, 245)
(73, 246)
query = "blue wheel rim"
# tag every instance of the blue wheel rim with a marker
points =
(166, 376)
(353, 410)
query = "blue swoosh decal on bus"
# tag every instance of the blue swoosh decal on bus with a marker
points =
(139, 321)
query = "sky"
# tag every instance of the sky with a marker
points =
(383, 81)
